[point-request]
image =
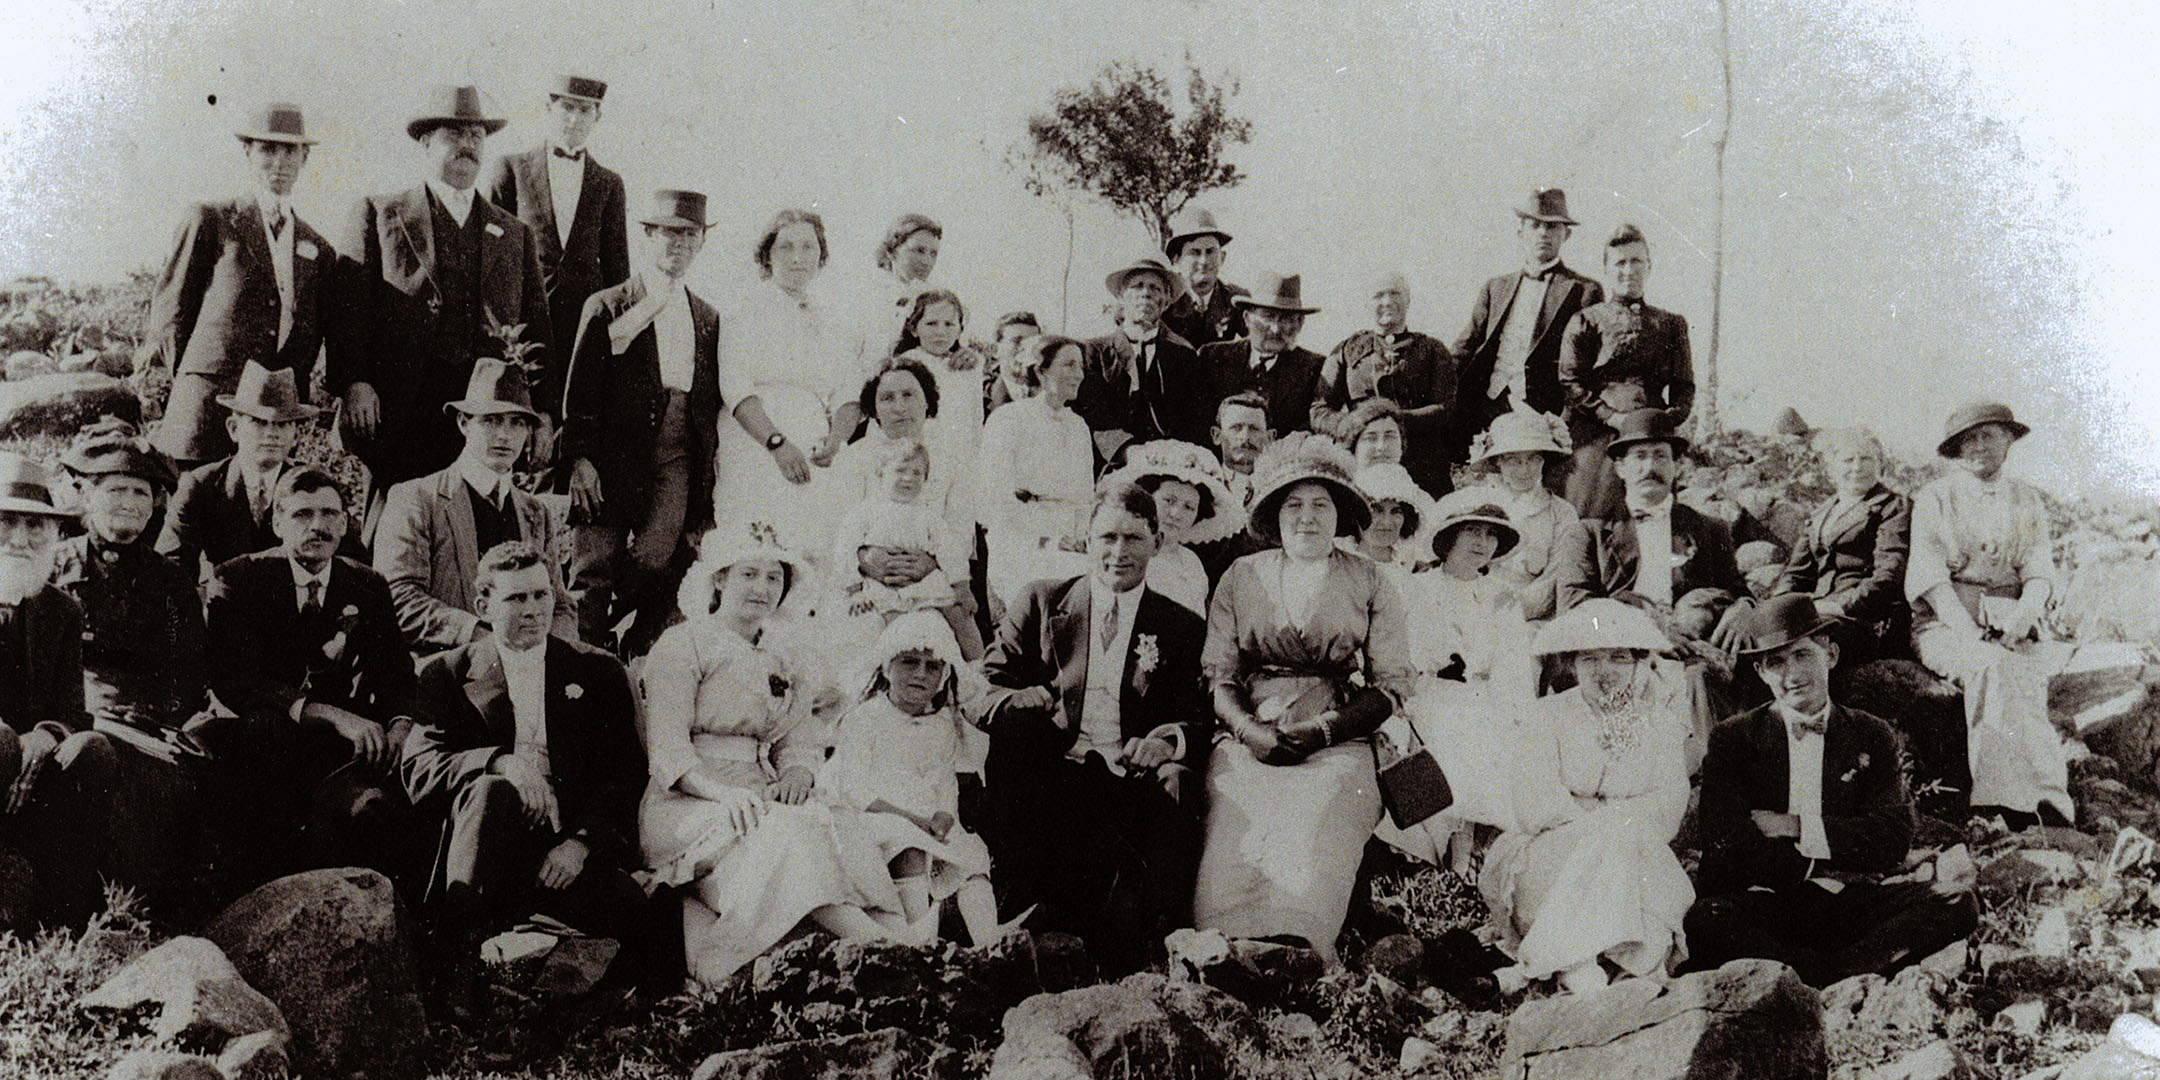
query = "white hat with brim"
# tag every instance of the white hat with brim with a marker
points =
(1390, 482)
(921, 630)
(1522, 431)
(1186, 463)
(1600, 624)
(726, 545)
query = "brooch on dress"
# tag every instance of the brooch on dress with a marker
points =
(778, 684)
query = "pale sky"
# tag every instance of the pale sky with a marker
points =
(1927, 202)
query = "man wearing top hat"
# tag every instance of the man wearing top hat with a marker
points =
(426, 273)
(640, 411)
(1411, 369)
(1268, 359)
(574, 206)
(1804, 810)
(248, 281)
(1203, 314)
(1653, 551)
(56, 775)
(434, 527)
(1510, 351)
(1143, 381)
(1617, 356)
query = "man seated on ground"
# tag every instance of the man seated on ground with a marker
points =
(434, 527)
(308, 660)
(1803, 812)
(222, 510)
(526, 747)
(56, 775)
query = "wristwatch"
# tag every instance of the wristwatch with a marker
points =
(773, 441)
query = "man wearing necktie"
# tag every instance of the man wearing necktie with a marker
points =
(221, 510)
(1618, 356)
(1413, 370)
(435, 527)
(1804, 810)
(1510, 350)
(248, 282)
(1653, 551)
(1143, 381)
(1268, 358)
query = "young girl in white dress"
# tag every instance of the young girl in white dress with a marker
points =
(932, 337)
(898, 519)
(1519, 447)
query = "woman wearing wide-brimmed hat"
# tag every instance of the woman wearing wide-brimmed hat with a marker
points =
(734, 745)
(1402, 517)
(1584, 883)
(1194, 505)
(1520, 449)
(1307, 652)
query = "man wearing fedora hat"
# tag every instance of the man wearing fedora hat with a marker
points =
(574, 206)
(1203, 314)
(1268, 359)
(56, 775)
(1510, 350)
(641, 406)
(428, 274)
(1804, 809)
(1654, 551)
(435, 527)
(1143, 381)
(1413, 370)
(221, 510)
(247, 281)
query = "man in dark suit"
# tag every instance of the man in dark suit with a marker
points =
(1205, 314)
(526, 747)
(640, 420)
(434, 527)
(1804, 810)
(1269, 360)
(1143, 381)
(248, 282)
(222, 510)
(1655, 551)
(1098, 729)
(575, 208)
(428, 276)
(1510, 351)
(320, 690)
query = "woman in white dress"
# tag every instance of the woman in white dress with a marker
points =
(1036, 473)
(1194, 505)
(906, 258)
(1585, 884)
(1519, 448)
(791, 381)
(1402, 516)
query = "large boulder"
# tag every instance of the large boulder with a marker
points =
(1258, 973)
(2131, 1052)
(55, 406)
(871, 1055)
(203, 1002)
(1935, 1061)
(1750, 1018)
(334, 949)
(164, 1065)
(1143, 1027)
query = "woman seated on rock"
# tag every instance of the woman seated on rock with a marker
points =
(1307, 654)
(1195, 505)
(1401, 515)
(734, 746)
(1585, 883)
(1851, 558)
(1520, 448)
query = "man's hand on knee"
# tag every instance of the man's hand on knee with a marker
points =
(563, 864)
(533, 790)
(37, 751)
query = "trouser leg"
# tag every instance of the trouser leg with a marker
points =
(1732, 926)
(596, 553)
(1888, 927)
(60, 827)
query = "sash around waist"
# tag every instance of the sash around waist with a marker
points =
(716, 747)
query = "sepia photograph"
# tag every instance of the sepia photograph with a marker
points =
(959, 539)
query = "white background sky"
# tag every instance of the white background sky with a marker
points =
(1928, 202)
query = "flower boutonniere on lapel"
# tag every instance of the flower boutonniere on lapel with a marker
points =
(1147, 656)
(1859, 764)
(573, 691)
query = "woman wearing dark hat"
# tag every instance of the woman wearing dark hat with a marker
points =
(1307, 650)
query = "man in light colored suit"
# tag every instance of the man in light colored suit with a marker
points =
(575, 209)
(1510, 351)
(434, 527)
(247, 281)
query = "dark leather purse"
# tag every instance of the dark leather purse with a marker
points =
(1413, 787)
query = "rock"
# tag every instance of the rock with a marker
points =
(2023, 868)
(1843, 1000)
(2058, 838)
(2025, 1017)
(1751, 1018)
(1912, 1001)
(1144, 1026)
(19, 891)
(575, 966)
(1788, 422)
(261, 1056)
(871, 1055)
(1398, 956)
(2097, 1008)
(1258, 973)
(512, 946)
(1292, 1029)
(25, 364)
(334, 949)
(203, 1001)
(1950, 960)
(2131, 1052)
(1378, 1010)
(56, 405)
(1935, 1061)
(164, 1065)
(2050, 933)
(1417, 1054)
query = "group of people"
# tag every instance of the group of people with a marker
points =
(851, 617)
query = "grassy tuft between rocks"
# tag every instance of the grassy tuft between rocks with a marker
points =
(43, 1036)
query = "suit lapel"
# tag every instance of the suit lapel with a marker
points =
(454, 503)
(413, 217)
(247, 224)
(1774, 760)
(1069, 647)
(543, 192)
(1557, 290)
(489, 692)
(1625, 552)
(588, 193)
(499, 257)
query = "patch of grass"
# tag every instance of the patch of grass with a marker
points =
(43, 1034)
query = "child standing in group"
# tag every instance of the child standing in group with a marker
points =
(899, 520)
(932, 337)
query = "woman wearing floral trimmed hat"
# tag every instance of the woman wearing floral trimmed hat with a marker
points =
(1521, 448)
(1402, 516)
(1195, 505)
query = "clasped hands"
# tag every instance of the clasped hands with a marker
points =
(1144, 754)
(1273, 742)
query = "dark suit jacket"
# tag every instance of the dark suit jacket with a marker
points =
(1044, 642)
(427, 548)
(1856, 559)
(216, 307)
(612, 407)
(598, 252)
(391, 333)
(1599, 557)
(1867, 813)
(464, 719)
(1288, 386)
(210, 522)
(1478, 348)
(266, 655)
(1220, 321)
(1173, 400)
(51, 694)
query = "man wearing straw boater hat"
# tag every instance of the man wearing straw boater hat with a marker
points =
(1143, 382)
(247, 281)
(1205, 313)
(222, 509)
(640, 412)
(435, 527)
(1510, 350)
(573, 205)
(56, 775)
(1268, 359)
(429, 273)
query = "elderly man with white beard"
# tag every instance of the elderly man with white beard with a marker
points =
(56, 776)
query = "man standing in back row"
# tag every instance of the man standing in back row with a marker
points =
(1510, 352)
(1206, 314)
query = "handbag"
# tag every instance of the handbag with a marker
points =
(1413, 787)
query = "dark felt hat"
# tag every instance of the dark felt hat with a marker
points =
(1972, 415)
(1282, 292)
(677, 209)
(26, 488)
(1546, 204)
(1644, 425)
(577, 86)
(1778, 622)
(496, 386)
(452, 105)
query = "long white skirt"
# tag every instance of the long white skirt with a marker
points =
(1283, 843)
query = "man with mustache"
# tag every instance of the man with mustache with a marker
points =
(248, 282)
(1268, 359)
(1143, 381)
(431, 277)
(1654, 551)
(1615, 357)
(56, 775)
(1510, 351)
(434, 527)
(1239, 434)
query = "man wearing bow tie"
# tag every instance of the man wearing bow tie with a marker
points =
(247, 281)
(1616, 357)
(1143, 382)
(1653, 551)
(1510, 350)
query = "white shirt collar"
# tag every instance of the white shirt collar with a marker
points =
(459, 201)
(301, 577)
(523, 659)
(659, 284)
(1542, 268)
(1662, 508)
(1153, 332)
(1793, 720)
(484, 480)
